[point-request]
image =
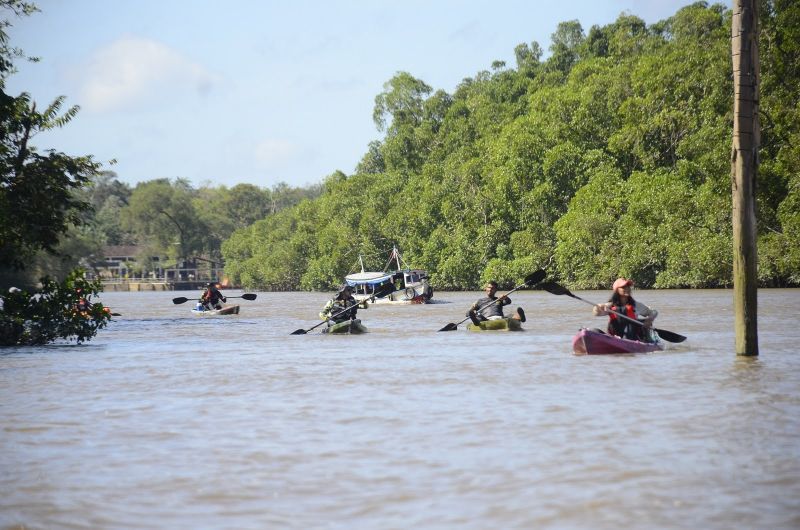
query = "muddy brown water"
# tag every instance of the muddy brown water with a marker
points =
(170, 420)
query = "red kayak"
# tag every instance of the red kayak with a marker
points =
(593, 342)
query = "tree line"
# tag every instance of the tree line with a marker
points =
(164, 218)
(39, 203)
(58, 212)
(609, 158)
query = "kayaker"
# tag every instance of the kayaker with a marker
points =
(341, 307)
(83, 305)
(490, 307)
(211, 298)
(621, 301)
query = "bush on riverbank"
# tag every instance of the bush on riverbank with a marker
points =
(58, 310)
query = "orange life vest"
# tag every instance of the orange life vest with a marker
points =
(621, 327)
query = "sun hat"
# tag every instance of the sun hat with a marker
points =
(621, 282)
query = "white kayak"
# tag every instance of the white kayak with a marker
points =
(227, 310)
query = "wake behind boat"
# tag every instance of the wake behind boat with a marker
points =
(403, 285)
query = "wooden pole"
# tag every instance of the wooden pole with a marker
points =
(744, 168)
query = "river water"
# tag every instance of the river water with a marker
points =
(169, 420)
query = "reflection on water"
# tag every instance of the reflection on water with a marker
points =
(167, 420)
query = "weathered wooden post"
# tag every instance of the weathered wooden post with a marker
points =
(744, 167)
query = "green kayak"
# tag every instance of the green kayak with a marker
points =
(353, 327)
(501, 324)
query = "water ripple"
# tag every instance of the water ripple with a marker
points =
(171, 421)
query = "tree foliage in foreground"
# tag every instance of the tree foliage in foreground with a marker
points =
(609, 158)
(38, 199)
(40, 203)
(51, 312)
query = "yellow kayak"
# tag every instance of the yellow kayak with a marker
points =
(500, 324)
(353, 327)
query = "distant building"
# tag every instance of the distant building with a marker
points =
(122, 263)
(119, 261)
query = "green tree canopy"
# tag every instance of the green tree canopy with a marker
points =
(609, 157)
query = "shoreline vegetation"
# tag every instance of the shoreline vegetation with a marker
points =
(610, 157)
(607, 156)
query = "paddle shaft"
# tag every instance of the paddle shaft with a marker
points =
(378, 294)
(531, 279)
(484, 306)
(663, 333)
(333, 316)
(626, 317)
(181, 299)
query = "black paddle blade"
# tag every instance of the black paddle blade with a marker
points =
(669, 336)
(179, 300)
(249, 296)
(535, 277)
(555, 288)
(299, 332)
(450, 327)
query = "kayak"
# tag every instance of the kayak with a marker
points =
(500, 324)
(227, 310)
(353, 327)
(595, 342)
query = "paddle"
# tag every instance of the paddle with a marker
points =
(246, 296)
(555, 288)
(386, 289)
(530, 279)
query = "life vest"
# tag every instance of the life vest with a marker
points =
(346, 309)
(621, 327)
(211, 296)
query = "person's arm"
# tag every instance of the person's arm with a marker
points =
(645, 313)
(325, 313)
(474, 307)
(601, 309)
(503, 300)
(353, 307)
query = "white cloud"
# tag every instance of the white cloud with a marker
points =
(273, 152)
(131, 71)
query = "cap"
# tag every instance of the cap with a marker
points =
(345, 287)
(621, 282)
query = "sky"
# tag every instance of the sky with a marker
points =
(262, 91)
